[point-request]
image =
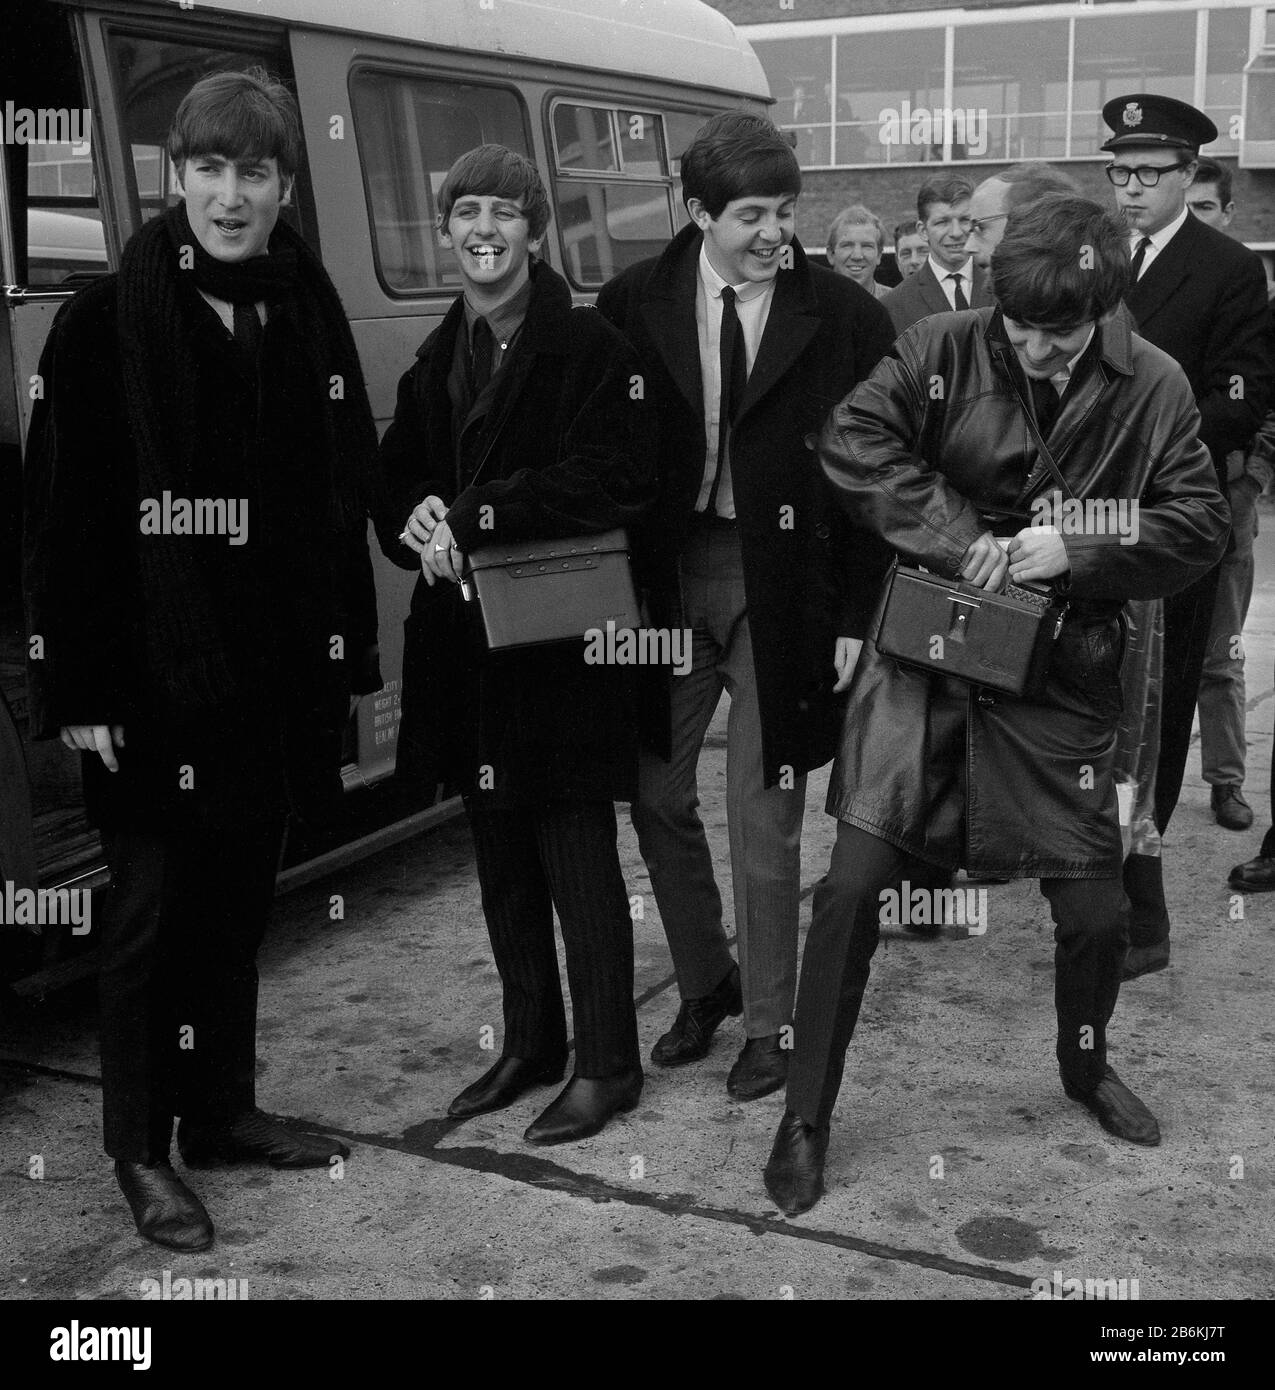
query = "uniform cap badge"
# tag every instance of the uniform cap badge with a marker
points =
(1132, 114)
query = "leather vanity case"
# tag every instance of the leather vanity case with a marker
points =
(1000, 641)
(536, 592)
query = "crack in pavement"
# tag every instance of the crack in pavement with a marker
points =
(423, 1140)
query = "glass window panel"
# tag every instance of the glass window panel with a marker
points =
(607, 227)
(680, 128)
(876, 75)
(1005, 79)
(1223, 84)
(1116, 54)
(410, 132)
(584, 138)
(640, 150)
(800, 75)
(813, 147)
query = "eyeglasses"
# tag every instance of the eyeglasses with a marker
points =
(1148, 174)
(978, 224)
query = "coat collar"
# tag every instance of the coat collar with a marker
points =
(669, 316)
(1166, 273)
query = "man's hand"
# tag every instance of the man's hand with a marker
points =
(95, 738)
(1037, 553)
(441, 559)
(985, 563)
(845, 660)
(420, 525)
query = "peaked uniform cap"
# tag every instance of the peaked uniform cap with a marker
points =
(1145, 119)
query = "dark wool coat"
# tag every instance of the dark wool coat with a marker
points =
(809, 576)
(921, 295)
(563, 448)
(1014, 787)
(1203, 301)
(276, 744)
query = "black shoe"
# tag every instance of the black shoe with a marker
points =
(584, 1106)
(762, 1067)
(254, 1138)
(164, 1208)
(1119, 1111)
(794, 1173)
(502, 1084)
(1144, 960)
(691, 1035)
(1255, 876)
(1229, 807)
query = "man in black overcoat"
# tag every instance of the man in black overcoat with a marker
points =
(745, 348)
(201, 607)
(1201, 297)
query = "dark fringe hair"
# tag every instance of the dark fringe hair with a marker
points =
(495, 171)
(1210, 171)
(738, 155)
(240, 116)
(954, 189)
(1061, 262)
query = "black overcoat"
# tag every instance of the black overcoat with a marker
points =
(1015, 787)
(563, 448)
(809, 575)
(275, 744)
(1203, 301)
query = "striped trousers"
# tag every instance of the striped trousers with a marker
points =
(531, 860)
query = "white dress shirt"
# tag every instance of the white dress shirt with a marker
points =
(752, 308)
(966, 272)
(1159, 240)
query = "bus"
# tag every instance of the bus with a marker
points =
(602, 94)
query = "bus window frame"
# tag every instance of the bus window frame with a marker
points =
(458, 76)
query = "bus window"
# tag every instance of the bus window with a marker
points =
(613, 188)
(410, 131)
(151, 74)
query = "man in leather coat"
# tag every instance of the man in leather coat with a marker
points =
(935, 454)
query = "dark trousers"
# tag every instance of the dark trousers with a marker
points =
(183, 920)
(1089, 921)
(1188, 620)
(530, 860)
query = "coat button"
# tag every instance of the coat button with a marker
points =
(823, 530)
(811, 440)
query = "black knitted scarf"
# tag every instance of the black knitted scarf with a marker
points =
(162, 270)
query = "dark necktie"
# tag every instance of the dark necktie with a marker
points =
(1139, 256)
(734, 373)
(482, 347)
(1046, 401)
(961, 301)
(247, 328)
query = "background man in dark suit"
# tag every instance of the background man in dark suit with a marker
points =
(949, 279)
(1201, 297)
(746, 349)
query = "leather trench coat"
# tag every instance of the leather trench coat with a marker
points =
(930, 452)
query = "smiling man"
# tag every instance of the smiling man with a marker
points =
(206, 682)
(949, 279)
(745, 348)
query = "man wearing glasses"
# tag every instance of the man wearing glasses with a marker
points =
(1201, 297)
(995, 198)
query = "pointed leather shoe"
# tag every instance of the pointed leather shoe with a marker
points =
(794, 1172)
(584, 1107)
(1144, 960)
(1255, 876)
(692, 1032)
(254, 1138)
(502, 1084)
(1119, 1111)
(762, 1067)
(165, 1209)
(1229, 807)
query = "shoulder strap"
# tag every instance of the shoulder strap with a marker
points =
(1036, 435)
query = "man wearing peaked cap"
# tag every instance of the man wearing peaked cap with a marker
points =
(1200, 296)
